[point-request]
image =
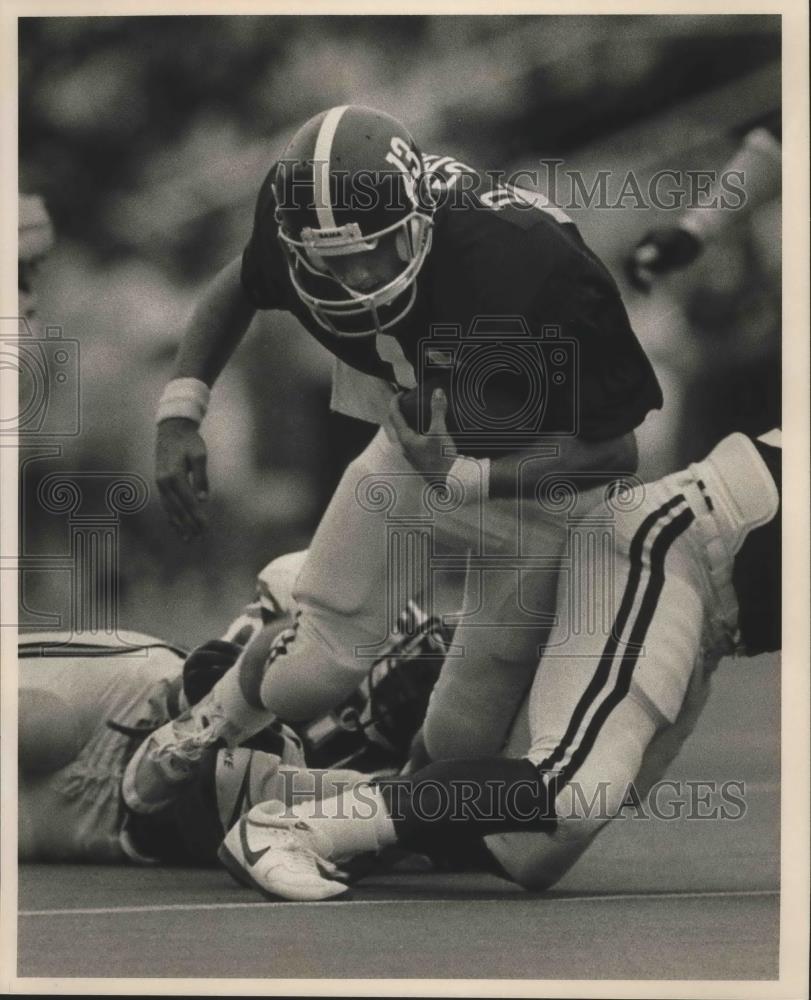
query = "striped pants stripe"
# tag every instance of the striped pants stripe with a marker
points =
(598, 701)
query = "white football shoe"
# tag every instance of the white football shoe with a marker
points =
(280, 857)
(169, 757)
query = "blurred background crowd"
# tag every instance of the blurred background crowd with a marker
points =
(148, 139)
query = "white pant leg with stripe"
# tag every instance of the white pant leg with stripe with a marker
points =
(601, 695)
(478, 693)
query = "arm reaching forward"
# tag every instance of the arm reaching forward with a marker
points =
(217, 325)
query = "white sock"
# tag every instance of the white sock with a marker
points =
(226, 698)
(355, 822)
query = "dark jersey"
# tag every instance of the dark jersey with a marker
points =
(756, 573)
(506, 270)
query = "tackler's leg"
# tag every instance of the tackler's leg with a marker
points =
(598, 700)
(370, 557)
(483, 681)
(601, 697)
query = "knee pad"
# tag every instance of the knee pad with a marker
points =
(536, 861)
(576, 832)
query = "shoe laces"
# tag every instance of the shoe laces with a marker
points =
(298, 846)
(180, 762)
(186, 750)
(324, 866)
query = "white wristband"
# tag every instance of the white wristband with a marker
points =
(184, 397)
(474, 475)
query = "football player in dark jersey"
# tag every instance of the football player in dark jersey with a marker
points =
(476, 311)
(695, 567)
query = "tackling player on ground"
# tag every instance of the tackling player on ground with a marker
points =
(87, 702)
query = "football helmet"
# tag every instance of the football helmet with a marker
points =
(374, 727)
(352, 181)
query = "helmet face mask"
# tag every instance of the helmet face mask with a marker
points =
(311, 255)
(375, 726)
(381, 222)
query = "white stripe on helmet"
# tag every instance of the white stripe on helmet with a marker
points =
(321, 164)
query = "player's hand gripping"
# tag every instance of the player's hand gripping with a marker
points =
(433, 453)
(659, 252)
(180, 471)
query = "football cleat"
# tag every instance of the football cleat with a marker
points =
(168, 758)
(282, 858)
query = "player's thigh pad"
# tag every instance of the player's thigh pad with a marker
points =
(631, 609)
(676, 641)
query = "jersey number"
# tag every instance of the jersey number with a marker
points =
(509, 194)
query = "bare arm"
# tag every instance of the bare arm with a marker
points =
(217, 325)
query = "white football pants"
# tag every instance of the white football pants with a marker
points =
(611, 706)
(388, 536)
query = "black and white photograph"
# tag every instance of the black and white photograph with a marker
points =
(396, 554)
